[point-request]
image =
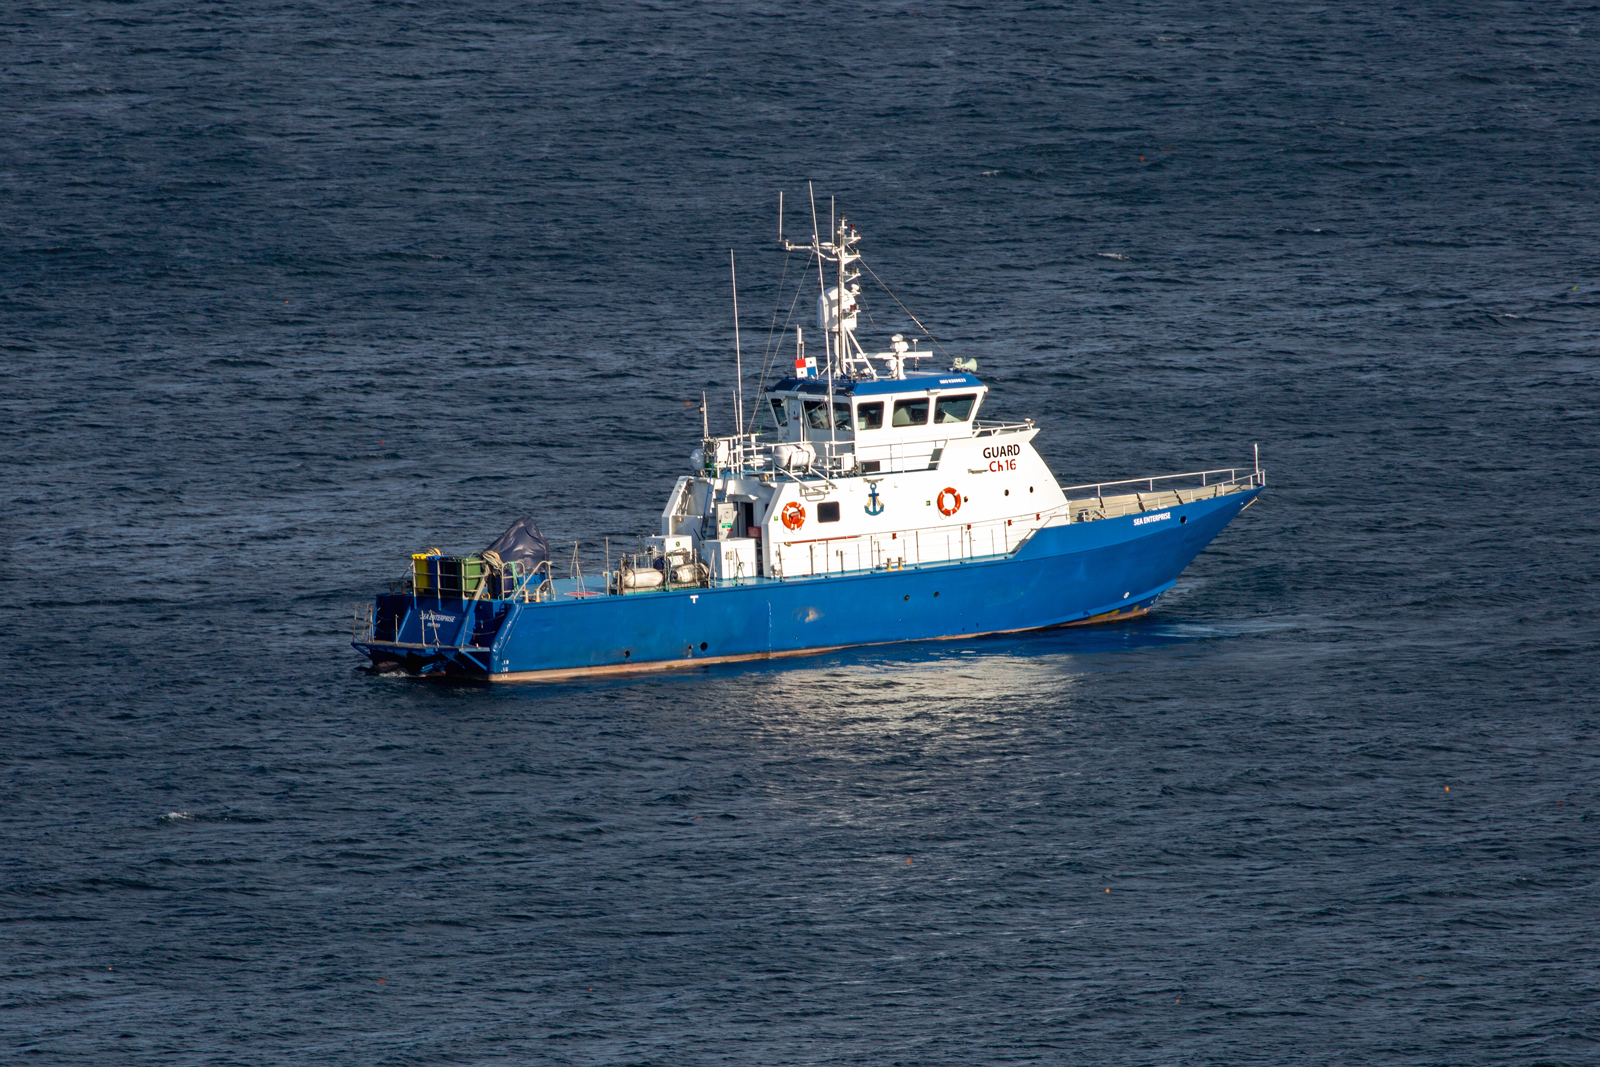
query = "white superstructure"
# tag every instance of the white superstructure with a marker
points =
(859, 464)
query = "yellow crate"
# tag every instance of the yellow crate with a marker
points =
(422, 575)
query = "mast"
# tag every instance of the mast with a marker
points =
(838, 241)
(838, 345)
(844, 354)
(833, 430)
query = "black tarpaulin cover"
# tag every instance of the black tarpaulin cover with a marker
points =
(523, 545)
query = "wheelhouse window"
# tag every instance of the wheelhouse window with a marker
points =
(780, 414)
(913, 412)
(869, 416)
(828, 511)
(817, 415)
(954, 408)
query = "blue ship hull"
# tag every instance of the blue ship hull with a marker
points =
(1062, 575)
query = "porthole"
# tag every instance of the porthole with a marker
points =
(908, 596)
(1182, 519)
(936, 592)
(1008, 492)
(702, 646)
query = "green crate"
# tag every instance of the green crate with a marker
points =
(461, 576)
(473, 571)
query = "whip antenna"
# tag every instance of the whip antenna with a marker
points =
(738, 360)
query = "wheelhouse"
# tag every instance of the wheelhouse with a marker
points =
(873, 420)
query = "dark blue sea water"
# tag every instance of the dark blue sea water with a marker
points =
(291, 291)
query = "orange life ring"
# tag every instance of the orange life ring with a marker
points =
(954, 507)
(794, 515)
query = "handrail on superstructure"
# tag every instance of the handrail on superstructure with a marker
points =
(747, 453)
(829, 459)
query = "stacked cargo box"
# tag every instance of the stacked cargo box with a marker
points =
(447, 577)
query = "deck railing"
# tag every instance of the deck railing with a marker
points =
(989, 429)
(1109, 500)
(510, 582)
(362, 623)
(1249, 478)
(950, 542)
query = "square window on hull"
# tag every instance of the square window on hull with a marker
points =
(828, 511)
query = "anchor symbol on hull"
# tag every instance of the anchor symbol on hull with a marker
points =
(874, 506)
